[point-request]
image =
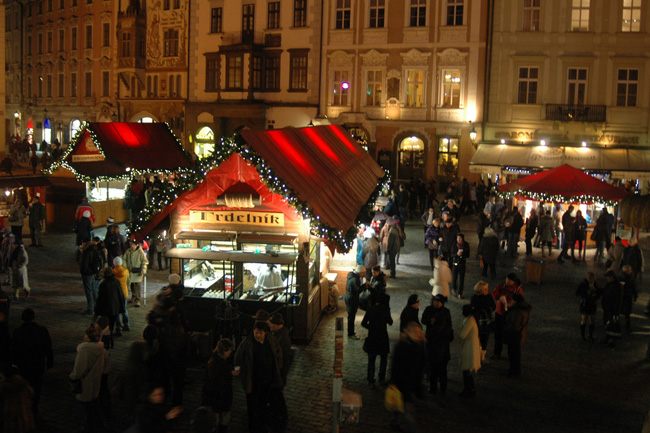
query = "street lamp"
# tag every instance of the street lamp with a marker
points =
(472, 134)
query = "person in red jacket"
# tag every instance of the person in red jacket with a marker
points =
(502, 294)
(84, 206)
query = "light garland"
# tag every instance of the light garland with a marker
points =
(556, 198)
(189, 179)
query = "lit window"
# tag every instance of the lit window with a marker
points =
(580, 16)
(531, 15)
(451, 88)
(340, 88)
(631, 16)
(373, 88)
(415, 88)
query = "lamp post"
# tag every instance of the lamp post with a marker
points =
(472, 134)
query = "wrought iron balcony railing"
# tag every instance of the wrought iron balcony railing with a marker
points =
(576, 113)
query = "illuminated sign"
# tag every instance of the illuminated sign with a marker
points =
(238, 217)
(87, 158)
(87, 151)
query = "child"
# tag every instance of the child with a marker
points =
(217, 388)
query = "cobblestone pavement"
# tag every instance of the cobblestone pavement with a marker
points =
(567, 385)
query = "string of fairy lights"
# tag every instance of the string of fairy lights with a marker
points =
(556, 198)
(188, 178)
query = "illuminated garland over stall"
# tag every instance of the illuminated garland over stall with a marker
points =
(128, 174)
(544, 197)
(189, 179)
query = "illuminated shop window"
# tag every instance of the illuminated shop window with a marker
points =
(204, 142)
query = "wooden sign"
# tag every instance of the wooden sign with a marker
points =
(267, 219)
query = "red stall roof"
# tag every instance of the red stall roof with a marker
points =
(324, 165)
(109, 148)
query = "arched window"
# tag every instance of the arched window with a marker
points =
(146, 120)
(75, 126)
(411, 158)
(204, 142)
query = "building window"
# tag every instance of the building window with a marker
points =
(451, 85)
(29, 45)
(74, 3)
(343, 11)
(234, 72)
(248, 23)
(177, 4)
(61, 40)
(216, 20)
(149, 93)
(580, 16)
(631, 16)
(106, 77)
(626, 88)
(418, 13)
(155, 86)
(454, 12)
(106, 30)
(527, 87)
(273, 21)
(50, 42)
(171, 82)
(414, 88)
(126, 44)
(73, 85)
(340, 88)
(299, 13)
(447, 157)
(73, 39)
(61, 4)
(48, 83)
(61, 85)
(89, 37)
(40, 87)
(49, 5)
(88, 85)
(272, 72)
(298, 71)
(40, 43)
(171, 43)
(166, 4)
(178, 86)
(211, 73)
(373, 88)
(576, 86)
(257, 72)
(377, 14)
(29, 88)
(531, 15)
(133, 89)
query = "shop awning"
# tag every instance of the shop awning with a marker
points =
(619, 161)
(324, 165)
(112, 149)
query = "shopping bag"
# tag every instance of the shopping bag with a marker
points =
(394, 401)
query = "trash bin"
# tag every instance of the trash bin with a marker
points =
(535, 270)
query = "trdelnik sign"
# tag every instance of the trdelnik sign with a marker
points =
(557, 155)
(268, 219)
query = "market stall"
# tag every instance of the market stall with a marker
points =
(107, 155)
(251, 222)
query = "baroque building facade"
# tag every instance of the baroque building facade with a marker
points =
(407, 77)
(568, 82)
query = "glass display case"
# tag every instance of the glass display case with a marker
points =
(104, 191)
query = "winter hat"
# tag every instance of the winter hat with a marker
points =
(277, 319)
(117, 261)
(86, 214)
(174, 279)
(110, 220)
(360, 269)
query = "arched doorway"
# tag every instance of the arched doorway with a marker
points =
(410, 162)
(204, 142)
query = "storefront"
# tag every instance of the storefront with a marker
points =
(107, 155)
(251, 227)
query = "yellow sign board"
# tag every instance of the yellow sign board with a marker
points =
(268, 219)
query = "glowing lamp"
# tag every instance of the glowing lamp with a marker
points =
(542, 142)
(345, 85)
(472, 135)
(503, 141)
(584, 144)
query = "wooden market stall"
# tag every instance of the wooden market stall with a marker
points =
(249, 222)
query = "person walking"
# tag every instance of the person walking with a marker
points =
(283, 336)
(32, 353)
(353, 289)
(513, 224)
(376, 320)
(568, 224)
(88, 368)
(470, 351)
(84, 228)
(459, 254)
(18, 262)
(410, 312)
(579, 233)
(110, 300)
(484, 306)
(502, 294)
(531, 228)
(407, 371)
(546, 232)
(515, 331)
(391, 247)
(588, 292)
(217, 392)
(122, 275)
(439, 334)
(135, 261)
(558, 225)
(370, 251)
(36, 217)
(441, 278)
(432, 240)
(488, 251)
(17, 214)
(90, 267)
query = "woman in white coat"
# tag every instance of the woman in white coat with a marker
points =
(441, 277)
(470, 351)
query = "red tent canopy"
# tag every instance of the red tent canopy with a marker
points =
(563, 184)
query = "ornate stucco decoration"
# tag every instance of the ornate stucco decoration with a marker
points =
(452, 57)
(374, 58)
(415, 57)
(341, 59)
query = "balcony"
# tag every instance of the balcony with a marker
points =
(576, 113)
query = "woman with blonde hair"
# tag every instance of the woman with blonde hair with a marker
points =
(484, 307)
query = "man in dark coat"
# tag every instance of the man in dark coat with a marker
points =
(90, 266)
(448, 233)
(633, 256)
(439, 333)
(353, 288)
(515, 331)
(514, 222)
(569, 234)
(459, 254)
(376, 319)
(407, 371)
(488, 250)
(36, 218)
(32, 353)
(611, 303)
(482, 222)
(110, 300)
(281, 333)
